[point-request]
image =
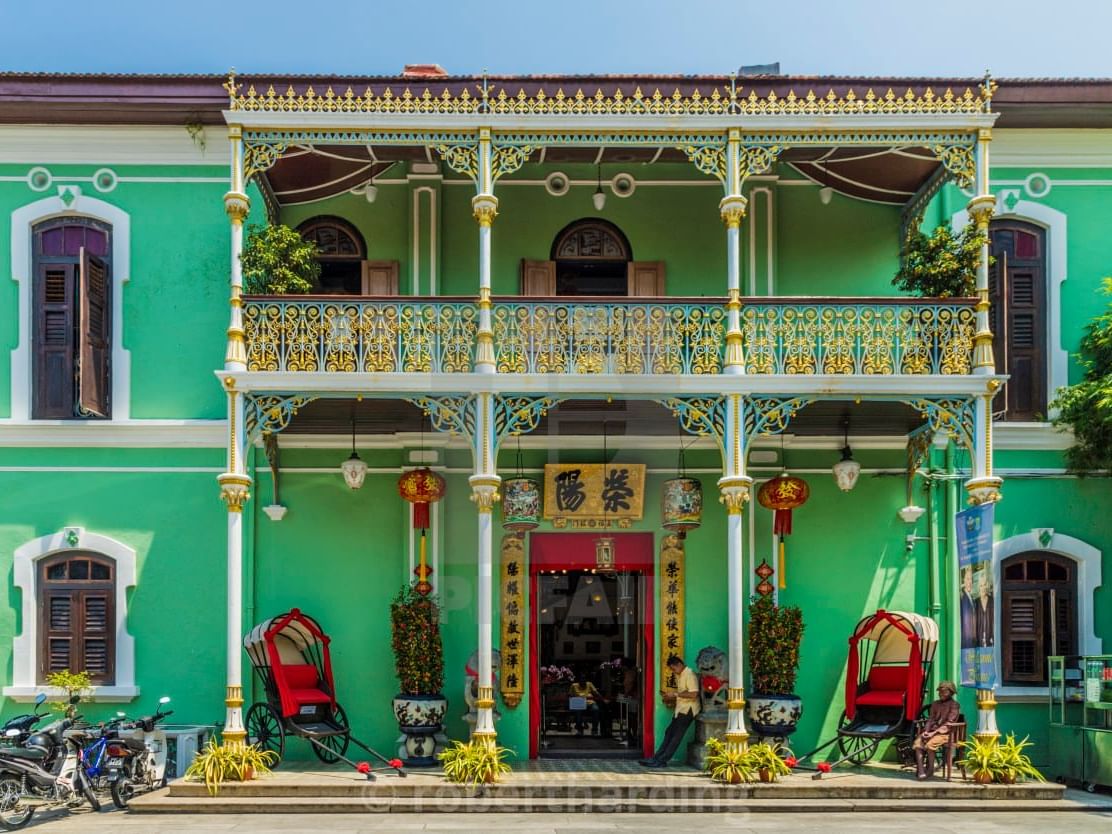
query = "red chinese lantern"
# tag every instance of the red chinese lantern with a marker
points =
(783, 494)
(421, 487)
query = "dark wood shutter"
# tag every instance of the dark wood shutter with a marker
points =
(77, 613)
(646, 278)
(95, 636)
(380, 278)
(1017, 290)
(538, 278)
(1024, 626)
(57, 649)
(53, 341)
(94, 335)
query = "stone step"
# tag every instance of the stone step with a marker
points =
(162, 802)
(678, 789)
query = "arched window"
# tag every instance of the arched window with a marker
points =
(342, 252)
(1039, 614)
(77, 615)
(592, 258)
(1017, 290)
(71, 328)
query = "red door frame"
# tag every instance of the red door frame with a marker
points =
(576, 551)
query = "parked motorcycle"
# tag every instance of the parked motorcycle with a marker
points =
(97, 758)
(137, 764)
(16, 730)
(46, 772)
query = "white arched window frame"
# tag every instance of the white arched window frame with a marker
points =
(69, 202)
(25, 577)
(1086, 557)
(1055, 224)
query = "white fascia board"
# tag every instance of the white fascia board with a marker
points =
(110, 145)
(419, 123)
(1036, 436)
(206, 434)
(1051, 148)
(626, 386)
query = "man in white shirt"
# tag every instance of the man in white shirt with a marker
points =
(687, 707)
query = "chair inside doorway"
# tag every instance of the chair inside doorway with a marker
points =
(591, 656)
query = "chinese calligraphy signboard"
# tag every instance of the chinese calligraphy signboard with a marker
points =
(594, 495)
(672, 559)
(512, 579)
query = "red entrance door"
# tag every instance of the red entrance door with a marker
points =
(576, 551)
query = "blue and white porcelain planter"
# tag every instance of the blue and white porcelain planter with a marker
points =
(774, 715)
(421, 719)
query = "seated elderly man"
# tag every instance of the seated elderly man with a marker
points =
(936, 732)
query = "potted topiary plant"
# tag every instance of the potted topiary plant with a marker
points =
(775, 632)
(941, 265)
(474, 762)
(766, 760)
(278, 261)
(216, 764)
(419, 662)
(990, 760)
(724, 764)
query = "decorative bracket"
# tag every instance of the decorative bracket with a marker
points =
(454, 414)
(959, 161)
(260, 156)
(711, 159)
(953, 416)
(505, 157)
(268, 414)
(771, 415)
(519, 415)
(461, 158)
(701, 416)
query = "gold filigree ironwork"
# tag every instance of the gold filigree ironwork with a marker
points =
(959, 161)
(463, 159)
(259, 157)
(709, 99)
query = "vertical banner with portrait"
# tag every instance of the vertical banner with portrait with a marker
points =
(976, 595)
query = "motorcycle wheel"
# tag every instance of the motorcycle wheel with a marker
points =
(87, 791)
(13, 816)
(122, 792)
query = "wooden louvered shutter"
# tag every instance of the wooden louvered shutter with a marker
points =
(57, 647)
(538, 278)
(53, 341)
(95, 635)
(1026, 341)
(1024, 627)
(646, 278)
(94, 336)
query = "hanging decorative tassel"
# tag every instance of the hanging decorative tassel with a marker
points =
(782, 494)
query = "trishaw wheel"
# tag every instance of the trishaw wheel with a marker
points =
(857, 749)
(264, 729)
(330, 748)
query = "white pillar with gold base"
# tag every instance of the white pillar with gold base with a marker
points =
(484, 492)
(732, 209)
(484, 206)
(734, 487)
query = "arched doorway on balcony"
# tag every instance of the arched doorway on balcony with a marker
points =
(592, 258)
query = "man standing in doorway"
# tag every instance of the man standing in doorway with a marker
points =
(687, 707)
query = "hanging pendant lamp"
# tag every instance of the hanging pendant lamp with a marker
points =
(847, 469)
(354, 468)
(681, 501)
(521, 500)
(599, 197)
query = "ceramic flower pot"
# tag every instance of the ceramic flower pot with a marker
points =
(982, 777)
(420, 718)
(765, 775)
(774, 715)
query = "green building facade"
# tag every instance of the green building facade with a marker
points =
(756, 345)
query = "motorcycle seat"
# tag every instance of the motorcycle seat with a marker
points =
(24, 753)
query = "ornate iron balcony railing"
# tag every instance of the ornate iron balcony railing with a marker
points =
(611, 336)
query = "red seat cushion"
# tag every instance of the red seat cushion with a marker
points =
(309, 696)
(886, 687)
(301, 677)
(881, 698)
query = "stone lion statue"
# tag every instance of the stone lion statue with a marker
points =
(471, 682)
(713, 670)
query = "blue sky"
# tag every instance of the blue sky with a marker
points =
(863, 37)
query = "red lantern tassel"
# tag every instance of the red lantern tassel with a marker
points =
(782, 523)
(421, 516)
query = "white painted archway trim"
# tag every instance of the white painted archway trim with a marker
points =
(25, 645)
(1055, 224)
(1088, 560)
(23, 219)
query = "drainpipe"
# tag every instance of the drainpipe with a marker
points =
(951, 572)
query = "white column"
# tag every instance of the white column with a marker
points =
(237, 206)
(484, 205)
(734, 487)
(732, 209)
(235, 490)
(980, 209)
(484, 492)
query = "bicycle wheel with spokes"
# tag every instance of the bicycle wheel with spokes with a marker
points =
(857, 748)
(13, 813)
(264, 729)
(330, 748)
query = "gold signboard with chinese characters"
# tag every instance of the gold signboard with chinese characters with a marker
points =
(672, 559)
(594, 495)
(512, 579)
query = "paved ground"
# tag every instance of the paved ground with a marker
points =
(986, 823)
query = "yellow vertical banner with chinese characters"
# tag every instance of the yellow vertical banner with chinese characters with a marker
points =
(672, 558)
(512, 578)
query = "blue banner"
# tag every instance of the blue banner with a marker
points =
(976, 595)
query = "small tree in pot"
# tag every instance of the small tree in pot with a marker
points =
(419, 661)
(775, 633)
